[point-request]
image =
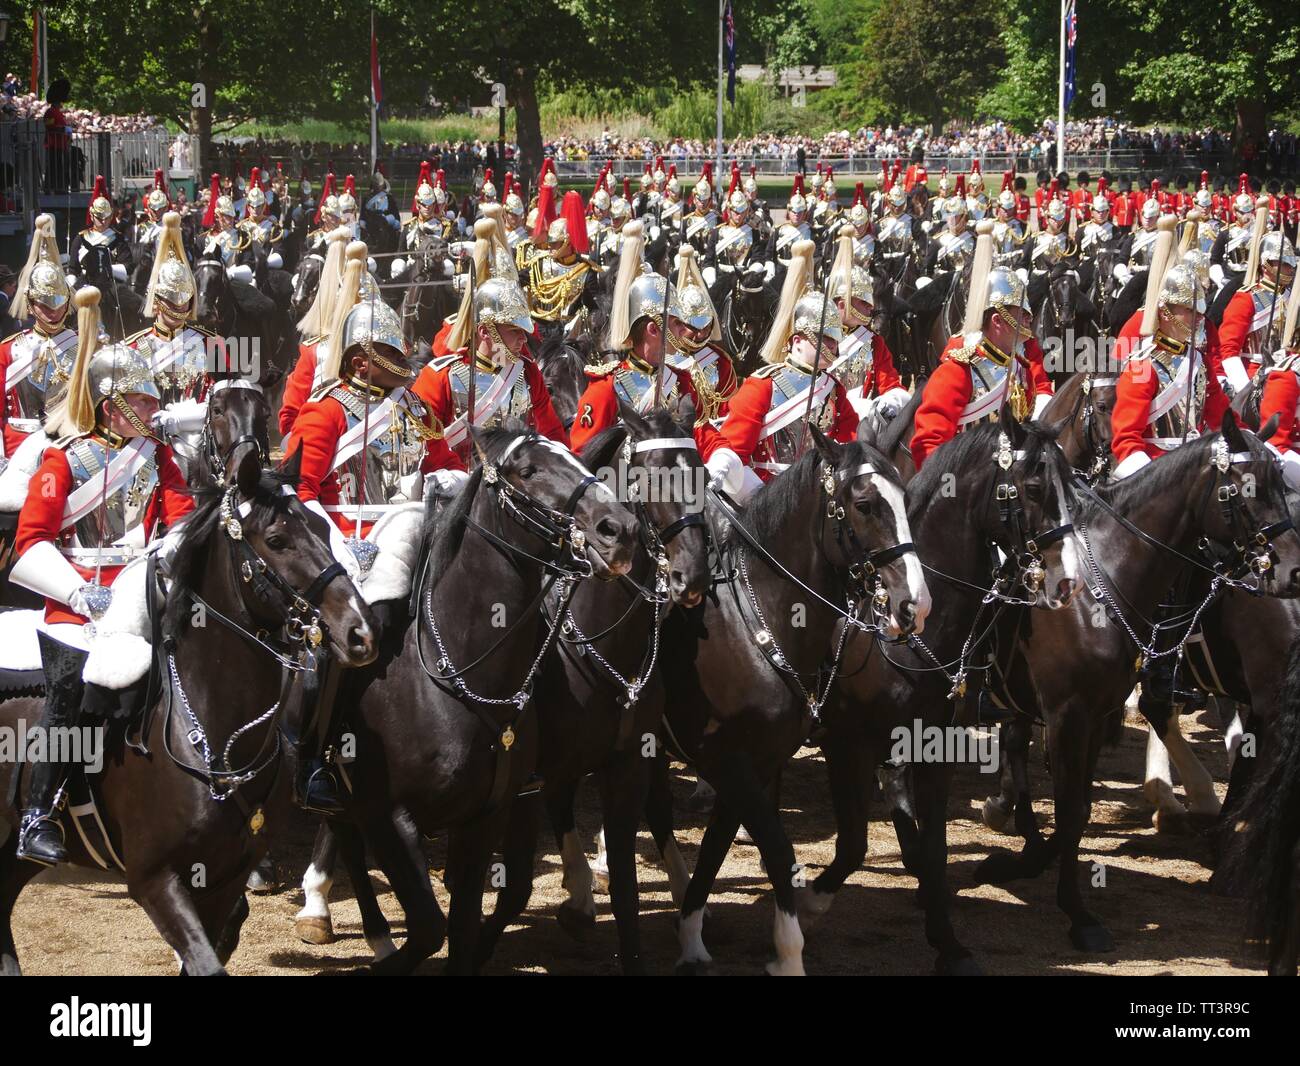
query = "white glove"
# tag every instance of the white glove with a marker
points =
(398, 268)
(1217, 275)
(370, 263)
(133, 538)
(1122, 274)
(274, 261)
(459, 282)
(448, 267)
(1236, 372)
(460, 249)
(183, 416)
(750, 483)
(726, 471)
(927, 226)
(1131, 465)
(119, 272)
(922, 282)
(888, 404)
(294, 281)
(44, 569)
(654, 233)
(1041, 400)
(71, 279)
(754, 268)
(338, 542)
(444, 483)
(1022, 274)
(100, 596)
(769, 271)
(1291, 469)
(710, 276)
(240, 272)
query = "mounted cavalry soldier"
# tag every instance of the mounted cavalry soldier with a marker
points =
(644, 303)
(512, 216)
(995, 360)
(220, 234)
(1099, 231)
(259, 227)
(864, 235)
(379, 202)
(327, 218)
(100, 232)
(758, 214)
(795, 228)
(764, 425)
(1166, 353)
(900, 235)
(487, 365)
(1231, 251)
(156, 204)
(36, 363)
(864, 364)
(698, 350)
(1139, 246)
(104, 490)
(949, 253)
(559, 276)
(1008, 233)
(737, 251)
(1252, 321)
(702, 222)
(1281, 395)
(428, 219)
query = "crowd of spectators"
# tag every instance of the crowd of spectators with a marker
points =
(16, 104)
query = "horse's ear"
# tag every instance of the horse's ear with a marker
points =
(1232, 432)
(686, 415)
(630, 417)
(249, 474)
(292, 465)
(826, 448)
(1267, 430)
(1010, 426)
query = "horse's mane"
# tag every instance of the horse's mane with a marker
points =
(191, 553)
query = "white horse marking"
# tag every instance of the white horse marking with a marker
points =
(692, 943)
(788, 938)
(577, 874)
(916, 586)
(316, 885)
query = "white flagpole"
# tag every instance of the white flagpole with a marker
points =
(374, 104)
(1060, 98)
(717, 174)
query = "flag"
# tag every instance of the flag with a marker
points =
(376, 82)
(729, 51)
(1071, 36)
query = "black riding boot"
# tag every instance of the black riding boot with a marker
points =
(40, 833)
(315, 782)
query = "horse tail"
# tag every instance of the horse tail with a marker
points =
(1263, 852)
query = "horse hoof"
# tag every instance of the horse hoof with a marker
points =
(314, 930)
(996, 814)
(999, 868)
(600, 881)
(789, 968)
(693, 968)
(1172, 822)
(810, 905)
(575, 922)
(961, 966)
(1093, 938)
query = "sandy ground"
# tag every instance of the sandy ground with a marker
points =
(1156, 900)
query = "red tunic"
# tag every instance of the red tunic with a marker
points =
(434, 388)
(41, 518)
(883, 375)
(1022, 208)
(598, 410)
(317, 430)
(1281, 397)
(1235, 329)
(743, 427)
(949, 390)
(1139, 384)
(298, 387)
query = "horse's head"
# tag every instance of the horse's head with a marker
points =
(866, 532)
(97, 267)
(305, 283)
(1081, 411)
(1244, 514)
(554, 498)
(1025, 509)
(237, 419)
(656, 465)
(429, 259)
(211, 290)
(285, 580)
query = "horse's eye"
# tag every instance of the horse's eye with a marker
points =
(528, 471)
(1034, 490)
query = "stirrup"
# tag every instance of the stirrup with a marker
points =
(320, 792)
(32, 821)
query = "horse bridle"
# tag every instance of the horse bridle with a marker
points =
(218, 464)
(867, 572)
(1026, 555)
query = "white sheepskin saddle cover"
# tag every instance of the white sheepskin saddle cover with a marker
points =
(119, 651)
(397, 535)
(22, 467)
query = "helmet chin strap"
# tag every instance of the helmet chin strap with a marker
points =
(128, 412)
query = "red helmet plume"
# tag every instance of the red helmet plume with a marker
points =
(214, 192)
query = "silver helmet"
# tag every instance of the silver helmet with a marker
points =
(1276, 248)
(690, 304)
(47, 285)
(645, 297)
(814, 312)
(371, 323)
(1182, 288)
(1005, 290)
(175, 283)
(501, 302)
(120, 370)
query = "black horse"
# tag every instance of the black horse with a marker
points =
(443, 726)
(745, 315)
(121, 308)
(429, 297)
(241, 314)
(161, 809)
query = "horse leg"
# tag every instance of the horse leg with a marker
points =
(930, 787)
(1284, 944)
(1197, 783)
(426, 928)
(14, 876)
(848, 768)
(171, 909)
(997, 810)
(718, 835)
(374, 926)
(469, 851)
(228, 940)
(659, 816)
(577, 911)
(623, 781)
(312, 923)
(519, 852)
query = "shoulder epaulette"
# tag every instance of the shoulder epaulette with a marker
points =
(136, 336)
(766, 371)
(600, 370)
(13, 336)
(201, 329)
(444, 360)
(965, 355)
(322, 390)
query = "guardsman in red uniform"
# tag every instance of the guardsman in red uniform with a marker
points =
(1163, 349)
(864, 364)
(981, 368)
(699, 350)
(104, 490)
(305, 377)
(1252, 321)
(35, 363)
(636, 331)
(1022, 202)
(1122, 213)
(765, 423)
(1281, 397)
(1081, 198)
(1231, 250)
(506, 380)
